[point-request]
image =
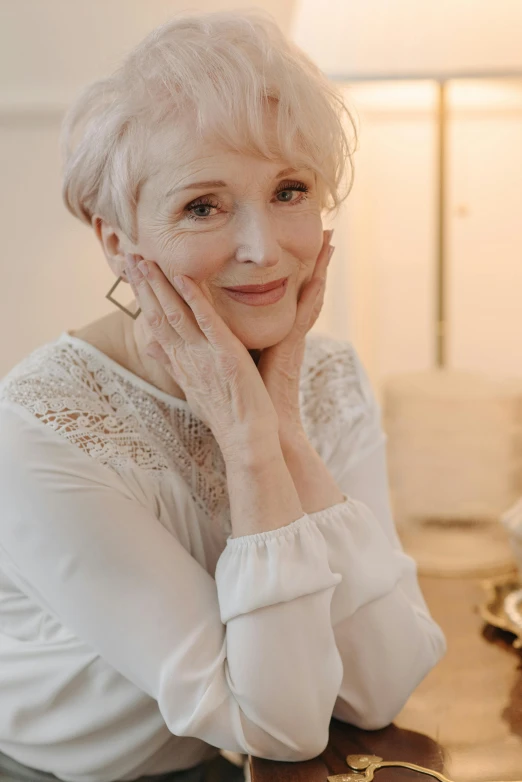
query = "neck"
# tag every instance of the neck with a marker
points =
(145, 366)
(124, 340)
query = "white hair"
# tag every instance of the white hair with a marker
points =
(221, 68)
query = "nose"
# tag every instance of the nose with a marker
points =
(257, 240)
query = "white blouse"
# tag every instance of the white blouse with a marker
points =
(136, 635)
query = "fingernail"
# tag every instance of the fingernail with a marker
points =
(330, 253)
(329, 235)
(143, 266)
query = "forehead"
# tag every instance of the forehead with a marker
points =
(179, 158)
(175, 154)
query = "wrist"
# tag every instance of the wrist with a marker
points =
(314, 483)
(261, 491)
(293, 438)
(250, 448)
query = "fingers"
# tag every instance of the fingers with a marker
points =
(197, 304)
(168, 317)
(312, 299)
(211, 324)
(325, 254)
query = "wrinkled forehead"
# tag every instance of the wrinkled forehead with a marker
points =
(176, 151)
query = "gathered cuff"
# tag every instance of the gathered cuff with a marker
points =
(359, 549)
(267, 568)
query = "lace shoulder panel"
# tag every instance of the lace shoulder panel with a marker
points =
(75, 394)
(336, 397)
(72, 389)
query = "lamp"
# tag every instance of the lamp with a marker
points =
(395, 40)
(356, 41)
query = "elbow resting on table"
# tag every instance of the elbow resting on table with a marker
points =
(379, 698)
(376, 718)
(304, 748)
(302, 735)
(373, 717)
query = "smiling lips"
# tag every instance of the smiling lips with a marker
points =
(275, 293)
(269, 286)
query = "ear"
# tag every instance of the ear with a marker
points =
(114, 245)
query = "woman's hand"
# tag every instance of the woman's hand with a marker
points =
(214, 369)
(280, 365)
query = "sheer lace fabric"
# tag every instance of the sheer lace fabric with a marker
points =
(119, 420)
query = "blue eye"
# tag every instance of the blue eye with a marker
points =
(204, 203)
(199, 209)
(288, 188)
(201, 206)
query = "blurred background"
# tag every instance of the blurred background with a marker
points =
(426, 280)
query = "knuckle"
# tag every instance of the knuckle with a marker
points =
(174, 317)
(229, 364)
(155, 320)
(154, 349)
(205, 322)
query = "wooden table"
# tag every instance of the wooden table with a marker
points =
(464, 720)
(392, 743)
(472, 701)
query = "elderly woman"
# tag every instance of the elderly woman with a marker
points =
(196, 545)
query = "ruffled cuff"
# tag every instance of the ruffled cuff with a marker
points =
(255, 571)
(358, 549)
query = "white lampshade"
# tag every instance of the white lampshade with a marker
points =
(357, 39)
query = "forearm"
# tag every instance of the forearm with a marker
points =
(316, 487)
(261, 490)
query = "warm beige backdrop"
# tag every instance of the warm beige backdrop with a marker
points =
(380, 291)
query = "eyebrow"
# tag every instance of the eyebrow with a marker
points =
(219, 182)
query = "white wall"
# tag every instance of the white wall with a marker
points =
(53, 274)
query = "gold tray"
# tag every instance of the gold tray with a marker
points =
(492, 610)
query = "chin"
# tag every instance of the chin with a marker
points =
(258, 338)
(260, 344)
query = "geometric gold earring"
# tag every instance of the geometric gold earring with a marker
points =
(133, 315)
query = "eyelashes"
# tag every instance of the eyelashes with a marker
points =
(291, 186)
(206, 202)
(199, 203)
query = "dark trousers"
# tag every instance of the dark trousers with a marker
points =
(218, 769)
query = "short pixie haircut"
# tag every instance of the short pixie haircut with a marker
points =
(222, 69)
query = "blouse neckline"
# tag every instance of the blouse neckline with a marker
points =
(125, 373)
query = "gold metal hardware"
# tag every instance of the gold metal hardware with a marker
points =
(369, 764)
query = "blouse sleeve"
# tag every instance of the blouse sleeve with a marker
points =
(247, 662)
(386, 637)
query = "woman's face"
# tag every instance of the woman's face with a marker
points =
(226, 219)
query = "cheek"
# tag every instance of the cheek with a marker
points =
(304, 240)
(199, 256)
(183, 252)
